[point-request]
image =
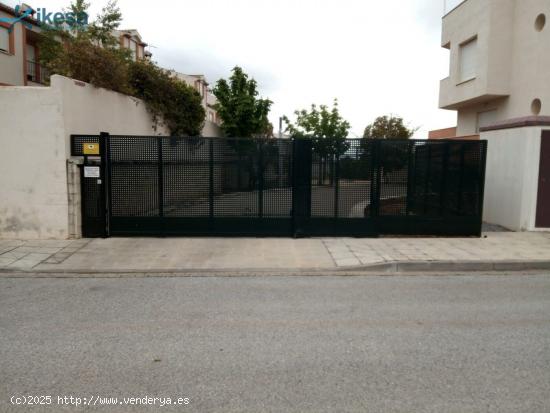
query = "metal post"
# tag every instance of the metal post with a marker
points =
(160, 178)
(105, 176)
(260, 180)
(336, 178)
(428, 178)
(461, 179)
(482, 172)
(211, 178)
(376, 177)
(301, 185)
(445, 173)
(411, 177)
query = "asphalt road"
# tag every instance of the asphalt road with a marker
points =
(280, 344)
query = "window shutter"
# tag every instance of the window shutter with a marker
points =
(468, 60)
(4, 39)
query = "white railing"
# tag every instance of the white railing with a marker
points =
(36, 73)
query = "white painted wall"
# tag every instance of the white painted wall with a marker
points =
(33, 181)
(511, 184)
(211, 130)
(34, 139)
(90, 110)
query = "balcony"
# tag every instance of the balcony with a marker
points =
(453, 95)
(37, 74)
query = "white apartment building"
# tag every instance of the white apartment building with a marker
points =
(131, 39)
(19, 51)
(499, 62)
(499, 85)
(199, 83)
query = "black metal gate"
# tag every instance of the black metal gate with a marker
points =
(162, 186)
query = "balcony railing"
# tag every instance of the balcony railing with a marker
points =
(36, 73)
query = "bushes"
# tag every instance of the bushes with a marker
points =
(168, 99)
(91, 54)
(178, 104)
(106, 68)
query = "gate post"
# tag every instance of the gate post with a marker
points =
(211, 181)
(444, 179)
(301, 185)
(160, 177)
(105, 173)
(376, 180)
(260, 148)
(411, 177)
(336, 178)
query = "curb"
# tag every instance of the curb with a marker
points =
(387, 268)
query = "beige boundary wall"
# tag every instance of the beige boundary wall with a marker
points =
(36, 124)
(512, 176)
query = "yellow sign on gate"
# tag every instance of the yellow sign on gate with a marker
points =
(90, 148)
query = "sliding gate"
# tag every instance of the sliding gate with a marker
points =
(162, 186)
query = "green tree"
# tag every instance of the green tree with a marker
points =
(328, 131)
(101, 30)
(243, 114)
(388, 127)
(79, 9)
(394, 156)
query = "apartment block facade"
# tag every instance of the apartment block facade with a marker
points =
(201, 85)
(20, 48)
(19, 51)
(131, 39)
(499, 62)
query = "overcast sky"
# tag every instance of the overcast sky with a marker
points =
(376, 57)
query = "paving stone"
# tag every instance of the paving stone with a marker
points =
(40, 250)
(349, 262)
(16, 255)
(5, 261)
(52, 261)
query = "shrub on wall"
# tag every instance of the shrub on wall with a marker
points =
(167, 97)
(80, 59)
(91, 54)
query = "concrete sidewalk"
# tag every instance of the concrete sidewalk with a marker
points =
(496, 251)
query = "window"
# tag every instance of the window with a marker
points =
(199, 87)
(133, 48)
(468, 60)
(31, 53)
(536, 107)
(4, 40)
(540, 22)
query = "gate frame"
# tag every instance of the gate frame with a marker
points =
(300, 223)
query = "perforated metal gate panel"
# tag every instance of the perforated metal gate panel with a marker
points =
(214, 186)
(186, 177)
